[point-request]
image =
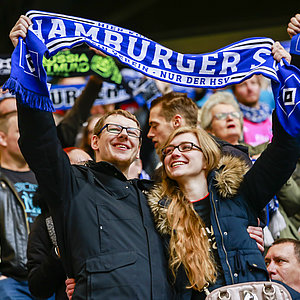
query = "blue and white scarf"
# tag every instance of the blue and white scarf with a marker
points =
(256, 115)
(51, 33)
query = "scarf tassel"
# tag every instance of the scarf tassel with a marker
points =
(27, 97)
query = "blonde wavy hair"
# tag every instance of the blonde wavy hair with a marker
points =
(189, 245)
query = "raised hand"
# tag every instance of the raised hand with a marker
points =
(294, 26)
(20, 29)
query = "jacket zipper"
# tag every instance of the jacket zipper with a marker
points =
(222, 238)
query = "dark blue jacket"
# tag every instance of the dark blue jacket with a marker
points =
(236, 197)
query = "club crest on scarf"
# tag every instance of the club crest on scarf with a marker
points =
(229, 65)
(286, 94)
(295, 45)
(29, 61)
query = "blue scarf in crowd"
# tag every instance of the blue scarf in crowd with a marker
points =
(232, 64)
(256, 115)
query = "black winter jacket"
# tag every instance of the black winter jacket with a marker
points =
(46, 275)
(104, 226)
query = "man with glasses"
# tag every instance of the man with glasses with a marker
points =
(106, 235)
(105, 232)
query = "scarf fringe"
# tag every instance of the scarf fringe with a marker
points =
(27, 97)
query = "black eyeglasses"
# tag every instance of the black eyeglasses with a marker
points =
(117, 129)
(183, 147)
(224, 116)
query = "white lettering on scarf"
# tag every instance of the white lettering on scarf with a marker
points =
(143, 53)
(93, 31)
(58, 28)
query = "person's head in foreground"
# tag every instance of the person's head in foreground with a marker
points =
(283, 262)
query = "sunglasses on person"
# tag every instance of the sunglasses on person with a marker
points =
(224, 116)
(117, 129)
(183, 147)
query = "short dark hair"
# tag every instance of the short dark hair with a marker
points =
(177, 103)
(296, 244)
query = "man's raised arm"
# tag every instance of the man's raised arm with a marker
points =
(38, 138)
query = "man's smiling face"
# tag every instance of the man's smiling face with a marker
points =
(117, 149)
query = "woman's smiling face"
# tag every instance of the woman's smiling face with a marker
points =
(179, 165)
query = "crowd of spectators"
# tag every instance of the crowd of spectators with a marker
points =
(40, 193)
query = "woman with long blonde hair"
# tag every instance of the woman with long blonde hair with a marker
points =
(205, 203)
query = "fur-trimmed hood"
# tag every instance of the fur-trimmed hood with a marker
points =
(228, 177)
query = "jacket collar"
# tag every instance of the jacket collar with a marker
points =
(106, 168)
(226, 179)
(114, 181)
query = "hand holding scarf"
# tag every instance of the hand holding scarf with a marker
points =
(232, 64)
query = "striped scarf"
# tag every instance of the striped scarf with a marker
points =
(51, 33)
